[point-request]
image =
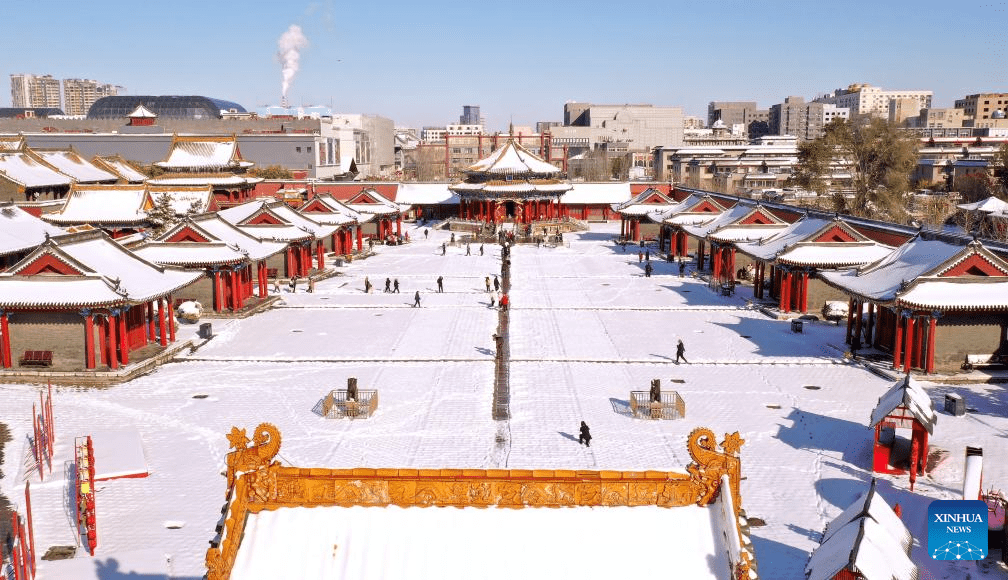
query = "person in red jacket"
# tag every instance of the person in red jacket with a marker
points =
(504, 302)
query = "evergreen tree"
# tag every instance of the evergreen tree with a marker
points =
(162, 216)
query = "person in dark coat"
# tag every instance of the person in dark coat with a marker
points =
(444, 248)
(440, 284)
(468, 250)
(682, 268)
(496, 284)
(453, 238)
(367, 285)
(388, 285)
(648, 269)
(425, 233)
(585, 435)
(680, 352)
(416, 299)
(395, 286)
(855, 344)
(647, 254)
(481, 249)
(293, 284)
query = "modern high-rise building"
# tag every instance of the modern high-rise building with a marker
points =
(864, 99)
(984, 105)
(803, 120)
(746, 113)
(80, 94)
(470, 115)
(34, 91)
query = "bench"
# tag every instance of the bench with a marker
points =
(36, 358)
(984, 361)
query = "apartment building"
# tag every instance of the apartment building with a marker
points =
(984, 105)
(80, 94)
(35, 91)
(755, 120)
(865, 99)
(803, 120)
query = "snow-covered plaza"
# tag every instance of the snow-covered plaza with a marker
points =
(587, 327)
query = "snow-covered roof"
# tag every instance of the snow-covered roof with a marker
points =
(279, 228)
(745, 232)
(189, 254)
(184, 199)
(118, 166)
(122, 204)
(204, 153)
(326, 209)
(72, 164)
(867, 537)
(958, 292)
(26, 171)
(833, 254)
(20, 230)
(597, 193)
(799, 231)
(882, 280)
(215, 228)
(102, 272)
(863, 545)
(398, 542)
(650, 202)
(513, 159)
(989, 205)
(214, 180)
(11, 142)
(141, 112)
(906, 392)
(425, 194)
(368, 202)
(729, 216)
(515, 187)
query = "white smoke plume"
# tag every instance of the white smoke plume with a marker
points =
(289, 46)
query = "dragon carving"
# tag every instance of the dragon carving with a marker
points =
(709, 463)
(265, 445)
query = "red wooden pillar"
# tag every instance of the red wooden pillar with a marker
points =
(700, 255)
(123, 337)
(360, 238)
(320, 252)
(398, 226)
(622, 227)
(897, 347)
(919, 346)
(850, 319)
(162, 306)
(869, 328)
(858, 316)
(262, 279)
(715, 262)
(149, 321)
(112, 324)
(103, 343)
(89, 358)
(461, 209)
(785, 293)
(932, 328)
(5, 346)
(236, 302)
(909, 343)
(218, 304)
(171, 322)
(731, 262)
(28, 516)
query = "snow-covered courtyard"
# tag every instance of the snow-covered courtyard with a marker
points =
(587, 327)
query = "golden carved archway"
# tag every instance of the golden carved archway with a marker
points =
(257, 483)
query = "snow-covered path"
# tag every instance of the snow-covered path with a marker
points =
(586, 328)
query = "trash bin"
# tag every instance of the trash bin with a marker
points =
(206, 330)
(796, 326)
(955, 404)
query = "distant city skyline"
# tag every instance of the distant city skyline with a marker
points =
(419, 63)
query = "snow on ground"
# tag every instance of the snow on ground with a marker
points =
(586, 328)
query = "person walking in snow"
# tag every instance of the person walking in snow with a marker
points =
(640, 257)
(481, 249)
(487, 280)
(416, 300)
(444, 248)
(492, 296)
(585, 436)
(440, 284)
(468, 250)
(276, 284)
(496, 284)
(367, 285)
(293, 284)
(648, 268)
(388, 285)
(504, 302)
(311, 285)
(453, 238)
(425, 232)
(680, 352)
(395, 286)
(682, 268)
(647, 254)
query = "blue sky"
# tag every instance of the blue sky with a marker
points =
(419, 62)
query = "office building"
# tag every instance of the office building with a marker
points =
(80, 94)
(864, 99)
(33, 91)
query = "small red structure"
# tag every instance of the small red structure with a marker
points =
(904, 406)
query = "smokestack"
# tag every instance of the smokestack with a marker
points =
(289, 46)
